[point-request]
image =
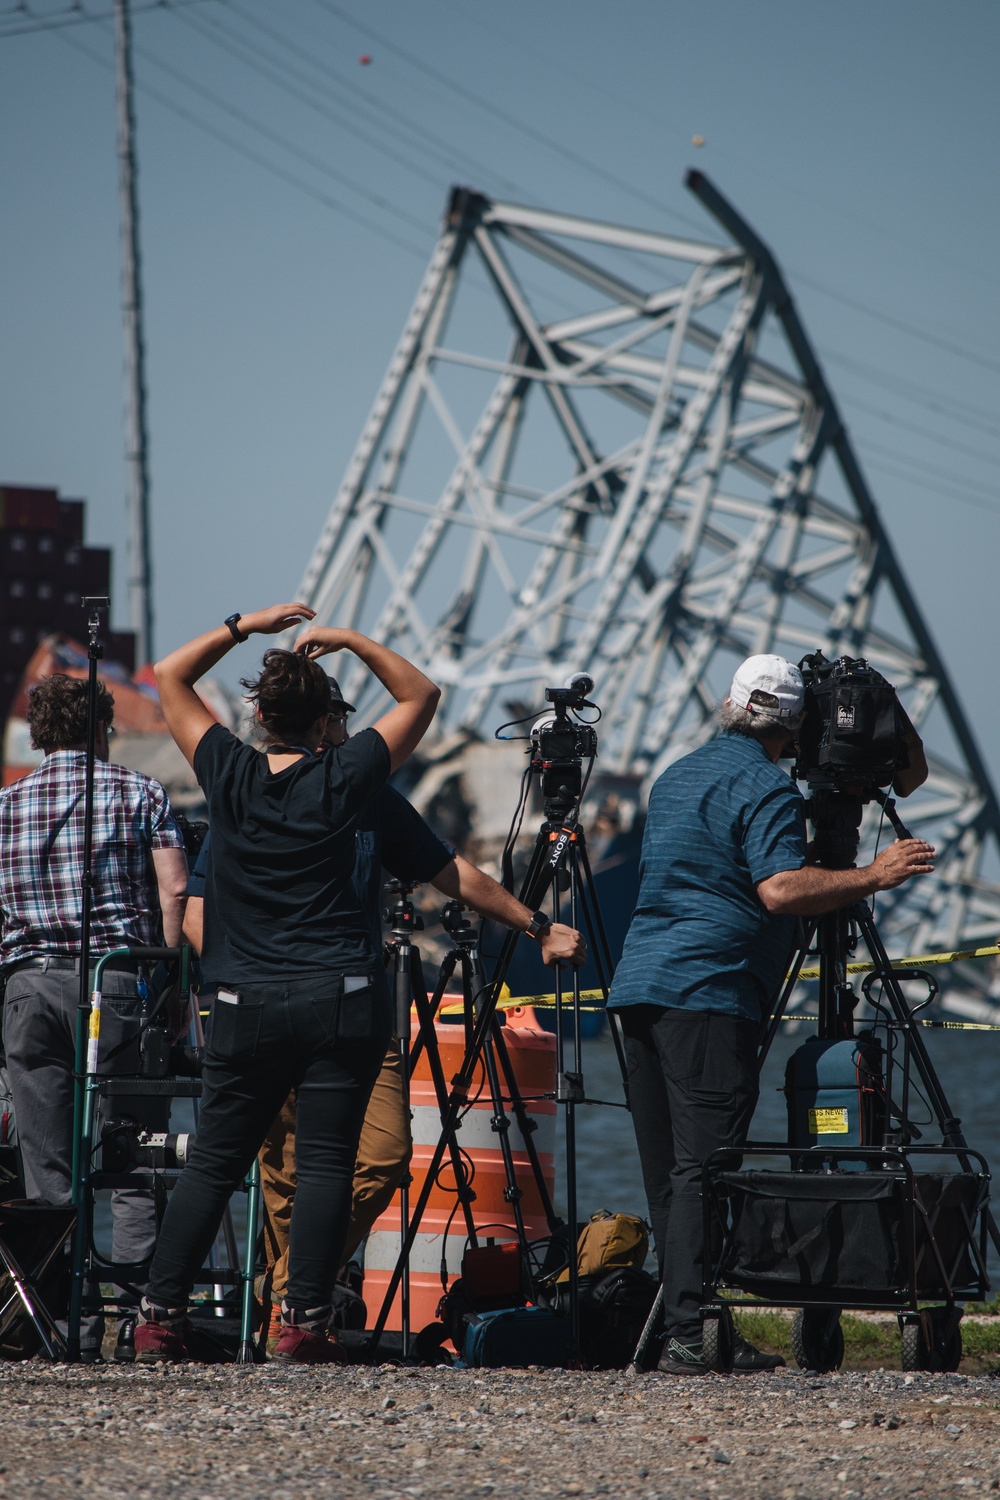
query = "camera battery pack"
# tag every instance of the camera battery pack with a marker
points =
(835, 1093)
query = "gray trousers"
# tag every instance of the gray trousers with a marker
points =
(39, 1033)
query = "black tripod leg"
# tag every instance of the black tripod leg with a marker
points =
(785, 995)
(951, 1126)
(540, 873)
(431, 1006)
(638, 1361)
(425, 1019)
(526, 1125)
(597, 933)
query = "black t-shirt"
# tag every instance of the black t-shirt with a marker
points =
(279, 898)
(393, 837)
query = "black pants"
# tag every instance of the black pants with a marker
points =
(692, 1082)
(302, 1034)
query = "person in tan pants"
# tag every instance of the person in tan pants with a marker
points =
(391, 837)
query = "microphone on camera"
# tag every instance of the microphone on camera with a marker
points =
(581, 682)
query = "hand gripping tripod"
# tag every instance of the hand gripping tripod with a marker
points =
(560, 863)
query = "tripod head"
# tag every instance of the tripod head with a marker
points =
(96, 605)
(402, 915)
(458, 925)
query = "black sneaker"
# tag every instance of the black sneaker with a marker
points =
(750, 1361)
(682, 1359)
(125, 1345)
(91, 1357)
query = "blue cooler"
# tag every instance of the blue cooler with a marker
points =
(836, 1093)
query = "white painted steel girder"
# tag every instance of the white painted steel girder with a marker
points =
(615, 450)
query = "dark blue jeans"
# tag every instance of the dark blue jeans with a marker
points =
(301, 1034)
(692, 1087)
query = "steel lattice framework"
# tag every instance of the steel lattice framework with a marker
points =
(645, 475)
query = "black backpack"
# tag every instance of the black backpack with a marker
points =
(614, 1307)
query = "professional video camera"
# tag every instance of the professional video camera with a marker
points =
(125, 1143)
(852, 734)
(850, 745)
(560, 745)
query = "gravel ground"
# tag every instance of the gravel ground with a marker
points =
(216, 1432)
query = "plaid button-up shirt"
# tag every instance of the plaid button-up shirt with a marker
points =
(41, 858)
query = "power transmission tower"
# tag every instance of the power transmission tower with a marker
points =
(140, 593)
(615, 450)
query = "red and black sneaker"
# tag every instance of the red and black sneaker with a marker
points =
(160, 1335)
(305, 1338)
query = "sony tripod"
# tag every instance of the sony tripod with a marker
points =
(559, 863)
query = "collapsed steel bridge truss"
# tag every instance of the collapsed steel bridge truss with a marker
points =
(609, 449)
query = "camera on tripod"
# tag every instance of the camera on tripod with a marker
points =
(850, 745)
(852, 734)
(125, 1144)
(560, 745)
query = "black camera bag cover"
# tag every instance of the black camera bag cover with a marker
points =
(613, 1312)
(853, 721)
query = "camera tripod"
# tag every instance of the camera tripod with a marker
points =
(833, 937)
(560, 863)
(836, 817)
(410, 991)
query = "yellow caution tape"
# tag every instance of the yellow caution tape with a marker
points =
(924, 961)
(594, 999)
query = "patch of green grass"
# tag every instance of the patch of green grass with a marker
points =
(867, 1344)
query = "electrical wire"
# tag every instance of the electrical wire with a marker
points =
(538, 137)
(445, 150)
(240, 51)
(254, 156)
(317, 163)
(800, 192)
(621, 183)
(75, 15)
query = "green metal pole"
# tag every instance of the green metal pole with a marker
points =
(84, 1091)
(247, 1354)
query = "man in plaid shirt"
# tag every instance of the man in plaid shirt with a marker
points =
(140, 874)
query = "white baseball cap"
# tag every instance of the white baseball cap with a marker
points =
(769, 685)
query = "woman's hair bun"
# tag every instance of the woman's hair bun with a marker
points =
(290, 694)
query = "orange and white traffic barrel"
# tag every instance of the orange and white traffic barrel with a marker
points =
(442, 1228)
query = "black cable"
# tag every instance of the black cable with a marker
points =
(282, 142)
(254, 156)
(238, 49)
(445, 151)
(75, 15)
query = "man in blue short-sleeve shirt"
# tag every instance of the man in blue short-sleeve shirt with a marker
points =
(724, 875)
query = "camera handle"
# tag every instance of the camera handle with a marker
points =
(888, 805)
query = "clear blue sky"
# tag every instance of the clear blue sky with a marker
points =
(860, 139)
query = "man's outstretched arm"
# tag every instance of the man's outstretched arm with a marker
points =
(473, 887)
(813, 890)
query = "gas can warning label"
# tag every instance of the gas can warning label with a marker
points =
(828, 1122)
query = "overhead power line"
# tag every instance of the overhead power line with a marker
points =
(317, 163)
(632, 104)
(255, 156)
(620, 182)
(511, 121)
(75, 15)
